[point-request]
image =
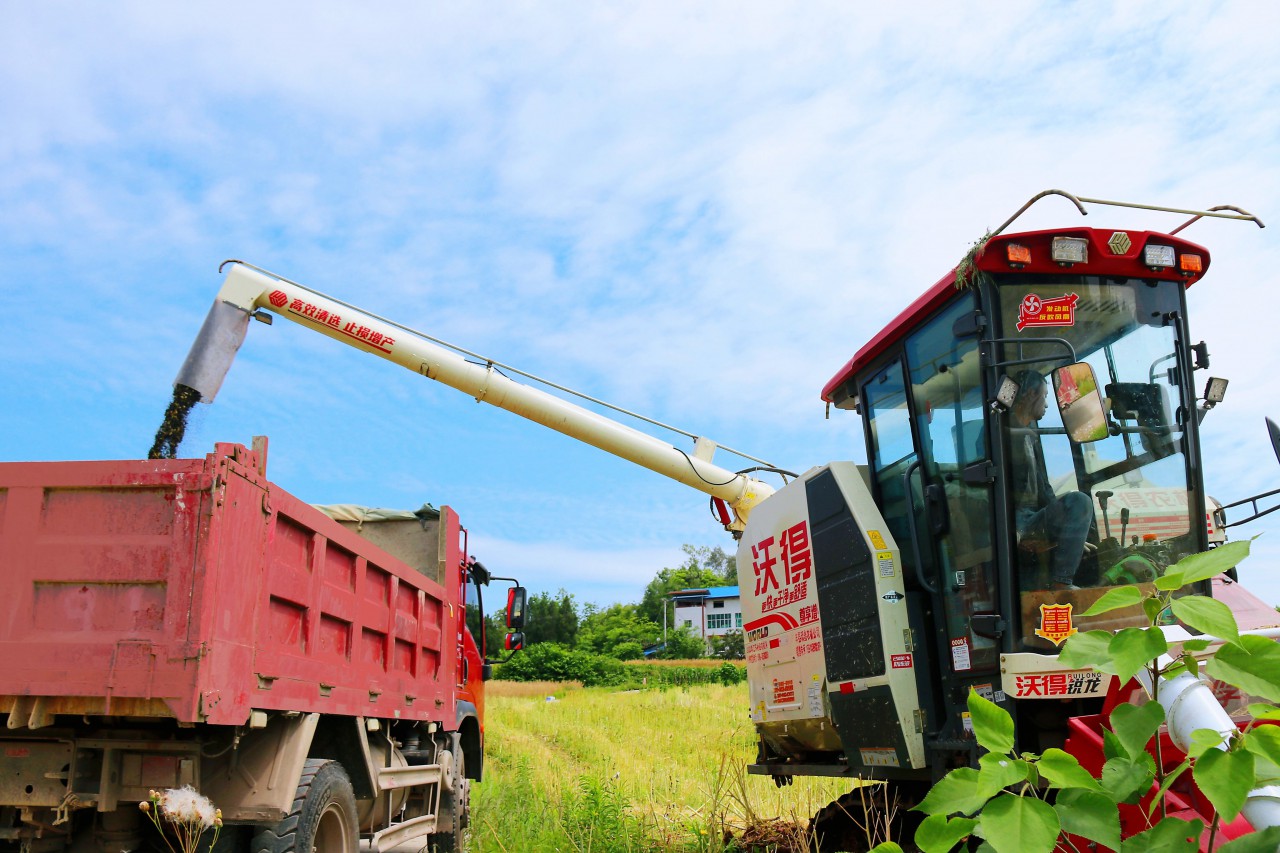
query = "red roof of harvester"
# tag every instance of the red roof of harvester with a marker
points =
(1104, 259)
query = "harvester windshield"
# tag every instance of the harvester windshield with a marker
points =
(1096, 461)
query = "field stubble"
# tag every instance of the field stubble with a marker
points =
(656, 770)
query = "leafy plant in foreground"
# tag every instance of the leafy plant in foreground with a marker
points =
(1029, 803)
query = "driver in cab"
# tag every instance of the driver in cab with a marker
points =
(1061, 522)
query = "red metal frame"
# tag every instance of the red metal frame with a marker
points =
(1102, 261)
(196, 588)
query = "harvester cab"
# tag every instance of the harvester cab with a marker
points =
(1031, 435)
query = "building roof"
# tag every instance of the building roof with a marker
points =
(696, 595)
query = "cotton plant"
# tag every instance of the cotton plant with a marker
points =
(188, 812)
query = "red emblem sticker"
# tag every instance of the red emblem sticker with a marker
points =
(278, 298)
(900, 661)
(1055, 623)
(1035, 311)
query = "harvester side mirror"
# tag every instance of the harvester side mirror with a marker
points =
(1075, 389)
(515, 609)
(515, 642)
(1274, 432)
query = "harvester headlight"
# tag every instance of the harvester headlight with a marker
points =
(1158, 257)
(1070, 250)
(1017, 255)
(1215, 391)
(1191, 263)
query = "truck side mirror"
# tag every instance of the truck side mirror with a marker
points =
(515, 609)
(515, 642)
(1080, 403)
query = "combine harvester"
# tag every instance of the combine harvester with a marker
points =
(1032, 430)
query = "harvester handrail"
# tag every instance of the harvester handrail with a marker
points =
(1080, 201)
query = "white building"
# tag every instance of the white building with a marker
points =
(711, 612)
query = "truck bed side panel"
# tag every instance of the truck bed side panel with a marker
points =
(196, 589)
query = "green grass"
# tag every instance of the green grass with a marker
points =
(603, 771)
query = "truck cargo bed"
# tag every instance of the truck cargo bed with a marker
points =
(196, 589)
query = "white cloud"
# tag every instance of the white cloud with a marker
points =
(699, 211)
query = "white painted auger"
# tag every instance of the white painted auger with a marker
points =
(247, 290)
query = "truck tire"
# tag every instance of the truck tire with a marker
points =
(455, 808)
(323, 818)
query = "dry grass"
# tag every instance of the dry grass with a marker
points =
(527, 689)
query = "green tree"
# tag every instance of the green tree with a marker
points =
(731, 646)
(703, 567)
(605, 631)
(683, 644)
(551, 618)
(495, 624)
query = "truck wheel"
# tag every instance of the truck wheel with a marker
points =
(455, 808)
(323, 818)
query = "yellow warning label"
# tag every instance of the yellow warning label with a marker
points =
(876, 539)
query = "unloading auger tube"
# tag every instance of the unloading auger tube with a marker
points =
(247, 290)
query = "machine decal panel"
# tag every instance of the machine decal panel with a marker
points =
(901, 661)
(884, 559)
(960, 657)
(1037, 311)
(1055, 685)
(808, 641)
(784, 692)
(879, 757)
(876, 540)
(321, 317)
(782, 566)
(1056, 623)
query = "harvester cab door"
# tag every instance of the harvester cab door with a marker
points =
(926, 426)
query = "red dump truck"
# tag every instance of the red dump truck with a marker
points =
(186, 622)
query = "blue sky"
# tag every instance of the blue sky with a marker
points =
(696, 210)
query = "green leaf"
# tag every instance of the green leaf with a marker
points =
(886, 847)
(1134, 725)
(1190, 663)
(992, 725)
(1210, 564)
(1090, 650)
(1169, 581)
(1203, 740)
(1250, 663)
(1111, 747)
(1264, 741)
(937, 834)
(955, 792)
(1114, 599)
(1063, 770)
(1152, 605)
(1125, 780)
(1206, 616)
(1090, 816)
(1134, 648)
(997, 771)
(1020, 825)
(1195, 645)
(1226, 779)
(1169, 835)
(1266, 841)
